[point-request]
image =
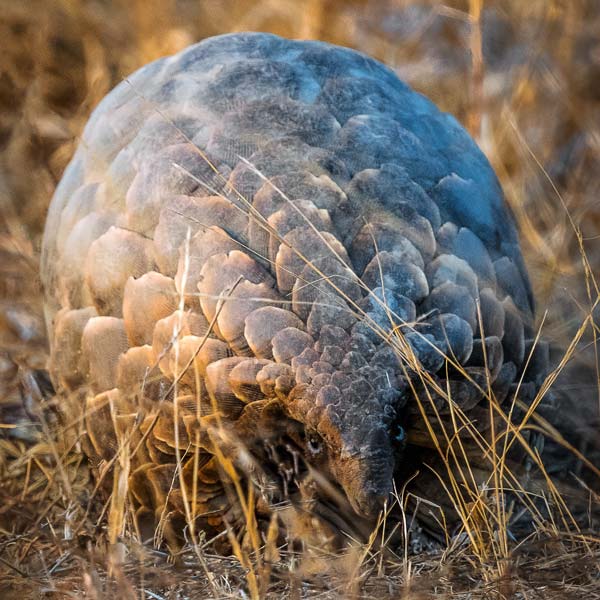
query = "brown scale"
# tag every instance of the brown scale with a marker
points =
(111, 260)
(147, 300)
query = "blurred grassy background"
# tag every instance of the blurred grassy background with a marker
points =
(524, 77)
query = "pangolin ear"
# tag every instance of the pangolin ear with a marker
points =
(273, 415)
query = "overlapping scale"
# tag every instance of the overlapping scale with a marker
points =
(146, 301)
(111, 260)
(513, 339)
(391, 186)
(70, 286)
(183, 216)
(326, 281)
(199, 352)
(289, 343)
(292, 215)
(455, 299)
(104, 138)
(222, 273)
(289, 187)
(382, 237)
(177, 169)
(454, 333)
(81, 203)
(488, 353)
(66, 364)
(302, 246)
(169, 330)
(262, 324)
(242, 379)
(103, 341)
(219, 386)
(207, 242)
(283, 156)
(244, 131)
(99, 424)
(492, 314)
(447, 267)
(137, 372)
(464, 244)
(246, 298)
(393, 272)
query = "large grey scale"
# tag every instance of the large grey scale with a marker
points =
(265, 246)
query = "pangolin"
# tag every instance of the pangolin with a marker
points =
(273, 257)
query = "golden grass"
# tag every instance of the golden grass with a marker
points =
(58, 538)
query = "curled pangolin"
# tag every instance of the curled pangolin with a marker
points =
(273, 255)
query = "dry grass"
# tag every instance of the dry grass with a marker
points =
(531, 101)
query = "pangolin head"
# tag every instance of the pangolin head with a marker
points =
(358, 449)
(348, 396)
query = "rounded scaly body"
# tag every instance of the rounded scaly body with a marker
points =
(260, 256)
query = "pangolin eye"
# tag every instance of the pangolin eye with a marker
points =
(399, 434)
(313, 443)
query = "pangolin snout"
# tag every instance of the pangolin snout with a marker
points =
(367, 482)
(368, 503)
